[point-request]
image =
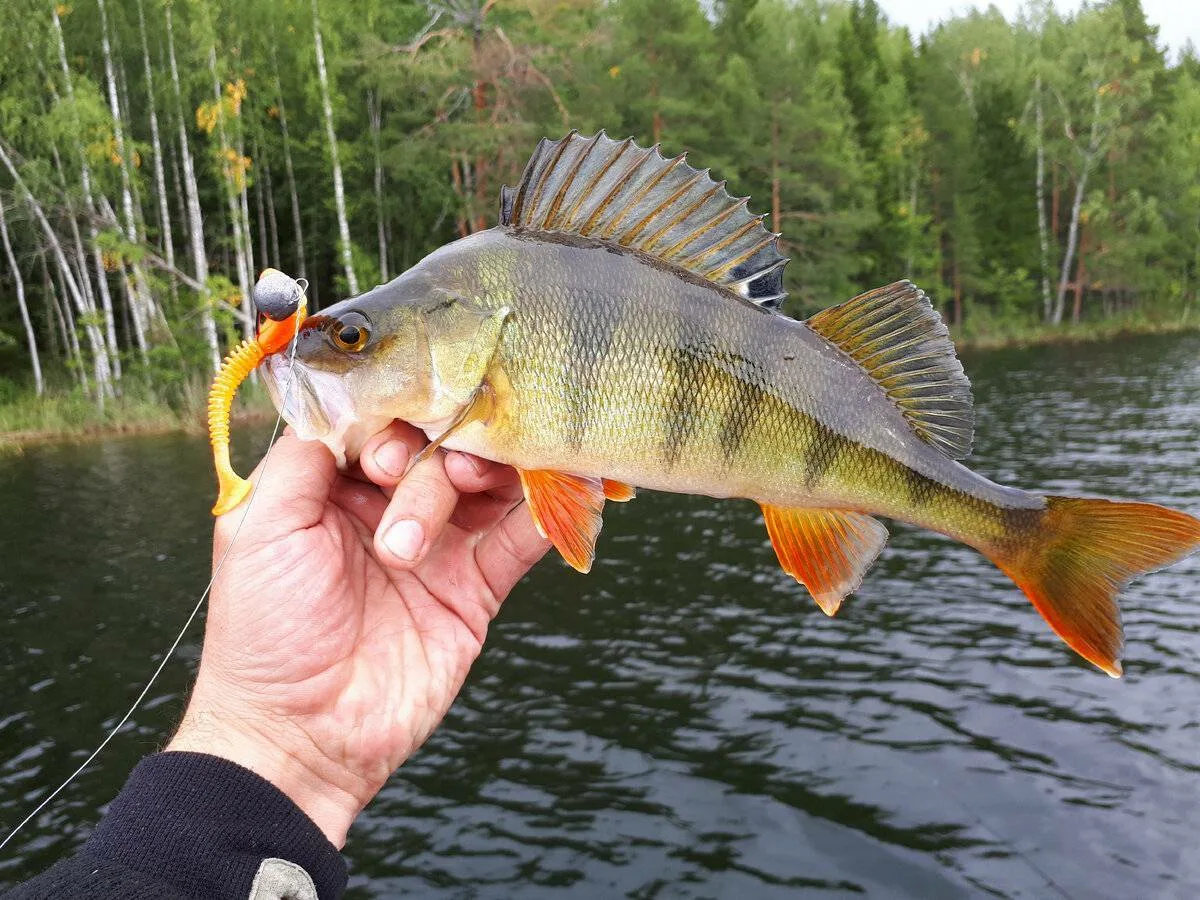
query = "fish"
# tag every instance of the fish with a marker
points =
(620, 329)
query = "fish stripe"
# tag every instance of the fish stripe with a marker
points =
(822, 453)
(687, 372)
(589, 341)
(745, 404)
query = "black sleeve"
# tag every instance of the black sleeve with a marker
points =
(188, 826)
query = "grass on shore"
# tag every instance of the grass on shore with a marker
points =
(59, 415)
(996, 334)
(65, 414)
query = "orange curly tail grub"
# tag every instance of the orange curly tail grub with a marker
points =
(238, 364)
(272, 337)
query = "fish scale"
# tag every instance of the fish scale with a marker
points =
(620, 327)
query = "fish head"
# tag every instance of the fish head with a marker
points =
(407, 350)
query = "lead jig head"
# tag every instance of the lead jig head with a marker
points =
(276, 295)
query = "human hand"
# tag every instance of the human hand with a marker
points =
(344, 621)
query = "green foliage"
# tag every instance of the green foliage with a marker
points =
(875, 158)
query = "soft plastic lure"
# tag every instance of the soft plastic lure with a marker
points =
(280, 299)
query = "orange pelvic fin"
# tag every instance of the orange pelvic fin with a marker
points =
(1082, 554)
(567, 509)
(618, 491)
(826, 550)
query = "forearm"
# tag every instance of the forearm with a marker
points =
(190, 825)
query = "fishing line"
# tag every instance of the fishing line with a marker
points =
(190, 619)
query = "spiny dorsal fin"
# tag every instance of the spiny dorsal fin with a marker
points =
(900, 340)
(631, 196)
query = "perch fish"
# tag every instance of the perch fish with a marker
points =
(620, 327)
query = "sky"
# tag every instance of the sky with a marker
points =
(1177, 20)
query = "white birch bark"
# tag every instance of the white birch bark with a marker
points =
(75, 351)
(94, 334)
(248, 244)
(195, 217)
(297, 224)
(141, 303)
(160, 178)
(272, 222)
(232, 199)
(1043, 227)
(339, 191)
(1087, 161)
(375, 117)
(264, 251)
(19, 282)
(85, 179)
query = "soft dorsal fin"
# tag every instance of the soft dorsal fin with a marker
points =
(631, 196)
(899, 339)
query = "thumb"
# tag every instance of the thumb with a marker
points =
(291, 490)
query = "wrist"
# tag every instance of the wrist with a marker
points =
(332, 799)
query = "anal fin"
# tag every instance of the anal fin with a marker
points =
(826, 550)
(567, 510)
(618, 491)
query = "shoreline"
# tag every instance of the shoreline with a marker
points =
(165, 421)
(15, 441)
(1095, 333)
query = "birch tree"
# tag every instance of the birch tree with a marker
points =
(339, 189)
(22, 305)
(195, 218)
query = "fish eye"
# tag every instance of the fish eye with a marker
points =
(350, 333)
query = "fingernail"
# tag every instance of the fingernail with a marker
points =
(404, 539)
(392, 457)
(476, 464)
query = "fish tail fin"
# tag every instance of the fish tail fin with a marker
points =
(1080, 554)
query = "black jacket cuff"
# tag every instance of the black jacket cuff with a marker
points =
(206, 824)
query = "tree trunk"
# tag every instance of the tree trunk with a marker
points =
(375, 117)
(1043, 233)
(1055, 202)
(251, 269)
(195, 218)
(260, 208)
(1088, 159)
(160, 178)
(113, 360)
(95, 337)
(776, 211)
(64, 310)
(19, 282)
(297, 225)
(339, 191)
(142, 303)
(233, 200)
(269, 189)
(1064, 277)
(1080, 277)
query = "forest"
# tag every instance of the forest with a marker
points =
(1037, 175)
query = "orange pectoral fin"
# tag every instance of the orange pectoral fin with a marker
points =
(567, 509)
(826, 550)
(618, 491)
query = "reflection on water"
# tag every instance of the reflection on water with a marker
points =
(683, 722)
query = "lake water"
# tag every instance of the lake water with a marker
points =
(684, 722)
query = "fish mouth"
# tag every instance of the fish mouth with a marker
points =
(319, 407)
(312, 402)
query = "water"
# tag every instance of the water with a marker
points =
(683, 722)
